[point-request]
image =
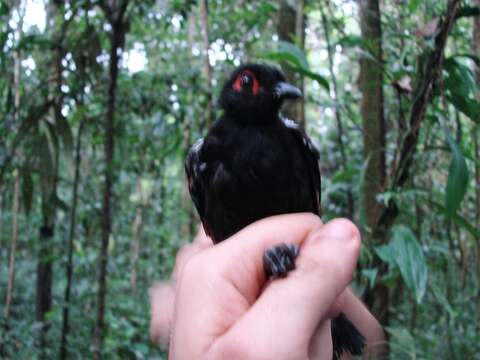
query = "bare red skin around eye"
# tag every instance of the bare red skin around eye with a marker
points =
(237, 85)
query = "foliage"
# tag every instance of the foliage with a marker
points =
(431, 253)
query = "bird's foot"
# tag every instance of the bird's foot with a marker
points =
(280, 259)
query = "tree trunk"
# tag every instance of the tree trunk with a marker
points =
(44, 279)
(13, 248)
(117, 39)
(17, 59)
(291, 25)
(338, 115)
(426, 77)
(371, 85)
(136, 230)
(49, 191)
(476, 51)
(300, 25)
(48, 178)
(71, 235)
(207, 71)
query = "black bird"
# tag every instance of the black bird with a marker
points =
(254, 163)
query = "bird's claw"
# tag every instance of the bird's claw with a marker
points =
(280, 259)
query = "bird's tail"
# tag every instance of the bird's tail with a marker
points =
(346, 337)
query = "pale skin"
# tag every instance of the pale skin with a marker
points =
(219, 305)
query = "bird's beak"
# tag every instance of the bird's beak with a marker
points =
(284, 90)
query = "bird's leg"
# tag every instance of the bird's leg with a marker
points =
(280, 259)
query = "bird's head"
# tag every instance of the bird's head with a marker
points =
(255, 92)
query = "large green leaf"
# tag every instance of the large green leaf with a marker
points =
(289, 53)
(469, 107)
(294, 57)
(462, 88)
(457, 179)
(460, 78)
(410, 260)
(473, 57)
(386, 253)
(405, 252)
(322, 81)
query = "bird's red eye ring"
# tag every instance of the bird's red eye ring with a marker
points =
(246, 80)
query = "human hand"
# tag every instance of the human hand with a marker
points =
(162, 294)
(226, 308)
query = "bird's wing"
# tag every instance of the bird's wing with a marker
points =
(311, 157)
(196, 183)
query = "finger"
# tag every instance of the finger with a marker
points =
(292, 308)
(246, 248)
(162, 298)
(219, 284)
(201, 242)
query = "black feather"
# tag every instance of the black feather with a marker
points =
(252, 164)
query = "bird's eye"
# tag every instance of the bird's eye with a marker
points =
(245, 80)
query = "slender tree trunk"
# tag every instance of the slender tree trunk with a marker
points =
(71, 235)
(44, 279)
(136, 230)
(300, 25)
(16, 194)
(338, 115)
(290, 25)
(1, 217)
(117, 39)
(13, 248)
(49, 191)
(371, 84)
(187, 229)
(476, 51)
(207, 71)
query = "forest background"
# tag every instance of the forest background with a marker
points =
(101, 99)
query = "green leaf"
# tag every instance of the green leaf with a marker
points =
(4, 9)
(322, 81)
(460, 78)
(351, 41)
(402, 341)
(410, 260)
(468, 11)
(443, 301)
(413, 5)
(294, 57)
(346, 175)
(371, 275)
(468, 107)
(386, 253)
(289, 53)
(472, 57)
(462, 88)
(457, 179)
(457, 219)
